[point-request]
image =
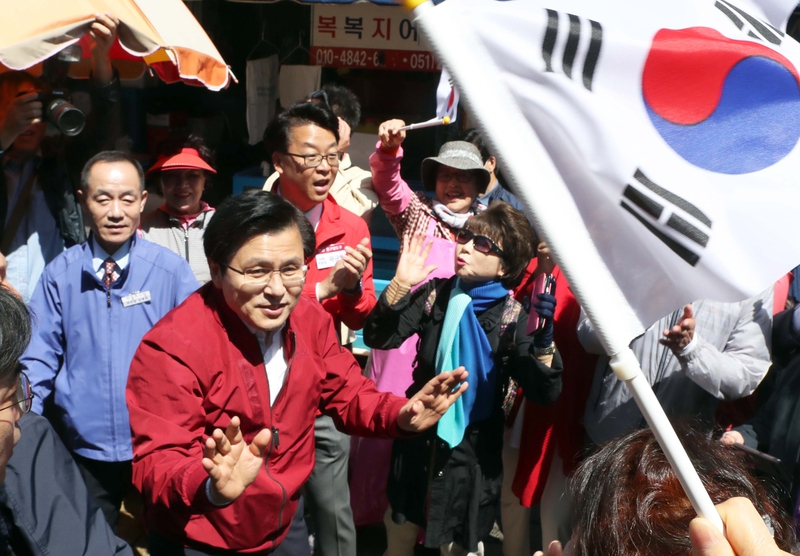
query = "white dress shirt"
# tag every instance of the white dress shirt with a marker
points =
(271, 345)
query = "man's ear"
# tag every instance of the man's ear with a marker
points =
(144, 201)
(81, 197)
(277, 162)
(490, 164)
(217, 273)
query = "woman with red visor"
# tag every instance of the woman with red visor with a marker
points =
(182, 170)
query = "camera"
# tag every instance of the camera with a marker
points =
(58, 111)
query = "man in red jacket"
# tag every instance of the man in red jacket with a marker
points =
(303, 144)
(224, 390)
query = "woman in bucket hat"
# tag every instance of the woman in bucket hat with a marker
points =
(182, 170)
(458, 178)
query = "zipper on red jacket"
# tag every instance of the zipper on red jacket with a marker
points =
(275, 442)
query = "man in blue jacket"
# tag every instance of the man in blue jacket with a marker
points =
(91, 307)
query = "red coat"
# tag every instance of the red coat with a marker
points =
(558, 426)
(339, 227)
(200, 366)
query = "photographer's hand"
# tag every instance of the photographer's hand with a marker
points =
(18, 115)
(104, 33)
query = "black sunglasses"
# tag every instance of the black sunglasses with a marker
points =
(319, 96)
(482, 244)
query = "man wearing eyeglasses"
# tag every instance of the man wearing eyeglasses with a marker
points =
(93, 304)
(303, 143)
(44, 505)
(223, 433)
(15, 398)
(352, 187)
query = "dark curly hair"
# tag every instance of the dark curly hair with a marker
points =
(509, 228)
(628, 501)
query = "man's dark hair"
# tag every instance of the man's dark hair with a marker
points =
(344, 104)
(473, 136)
(278, 134)
(15, 334)
(629, 502)
(254, 213)
(110, 157)
(507, 226)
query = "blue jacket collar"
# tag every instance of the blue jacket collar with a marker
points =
(88, 255)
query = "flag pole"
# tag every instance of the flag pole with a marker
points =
(430, 123)
(551, 207)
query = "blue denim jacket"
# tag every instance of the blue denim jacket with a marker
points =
(84, 340)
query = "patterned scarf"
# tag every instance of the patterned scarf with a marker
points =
(463, 342)
(454, 219)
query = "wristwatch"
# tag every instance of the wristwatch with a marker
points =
(549, 350)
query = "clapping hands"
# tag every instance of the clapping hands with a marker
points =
(347, 272)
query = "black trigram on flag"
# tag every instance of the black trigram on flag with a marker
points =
(568, 60)
(754, 28)
(682, 227)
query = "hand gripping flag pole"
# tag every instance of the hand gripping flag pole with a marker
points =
(559, 223)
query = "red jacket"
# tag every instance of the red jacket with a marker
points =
(339, 227)
(200, 366)
(558, 426)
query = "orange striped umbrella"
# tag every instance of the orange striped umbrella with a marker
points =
(161, 33)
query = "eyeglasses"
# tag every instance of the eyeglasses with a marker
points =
(461, 177)
(482, 244)
(24, 394)
(314, 160)
(259, 278)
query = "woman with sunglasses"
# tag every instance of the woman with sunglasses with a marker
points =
(182, 171)
(456, 178)
(448, 480)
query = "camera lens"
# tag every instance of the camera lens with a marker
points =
(69, 120)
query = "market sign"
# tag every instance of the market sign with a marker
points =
(370, 37)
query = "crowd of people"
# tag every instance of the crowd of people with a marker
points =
(201, 358)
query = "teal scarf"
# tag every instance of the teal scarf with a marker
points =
(464, 343)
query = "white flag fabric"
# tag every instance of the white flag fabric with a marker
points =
(446, 98)
(674, 126)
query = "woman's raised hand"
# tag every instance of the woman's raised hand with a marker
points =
(388, 134)
(411, 269)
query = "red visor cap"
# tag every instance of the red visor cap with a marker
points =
(187, 159)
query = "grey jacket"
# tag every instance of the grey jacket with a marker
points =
(726, 360)
(165, 230)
